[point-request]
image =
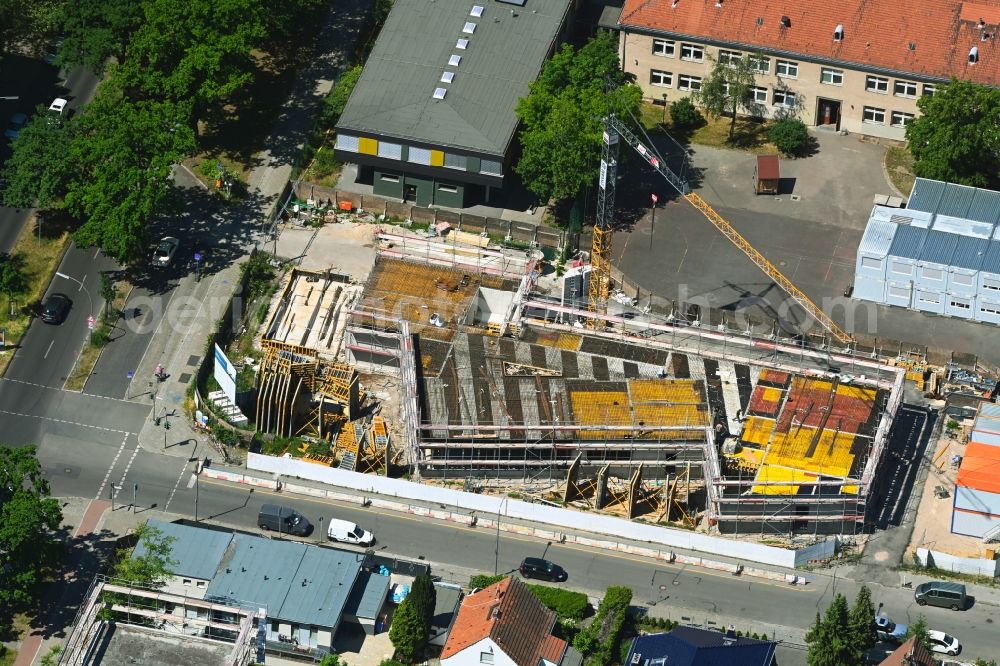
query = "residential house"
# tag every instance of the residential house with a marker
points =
(855, 65)
(431, 120)
(504, 625)
(692, 646)
(910, 653)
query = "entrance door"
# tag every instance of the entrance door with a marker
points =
(410, 193)
(828, 112)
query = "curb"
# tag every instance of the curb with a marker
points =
(99, 354)
(524, 530)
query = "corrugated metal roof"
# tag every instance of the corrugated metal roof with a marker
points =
(505, 54)
(985, 206)
(877, 238)
(938, 247)
(925, 195)
(297, 583)
(908, 242)
(989, 409)
(956, 200)
(962, 226)
(197, 551)
(969, 253)
(991, 262)
(368, 596)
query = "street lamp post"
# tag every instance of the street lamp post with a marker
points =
(319, 536)
(135, 492)
(652, 222)
(82, 286)
(197, 487)
(496, 552)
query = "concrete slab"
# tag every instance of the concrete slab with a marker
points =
(129, 644)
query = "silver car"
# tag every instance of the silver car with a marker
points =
(165, 250)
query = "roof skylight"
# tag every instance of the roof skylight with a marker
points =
(469, 28)
(462, 44)
(477, 11)
(454, 60)
(447, 77)
(439, 93)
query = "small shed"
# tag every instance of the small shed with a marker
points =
(767, 174)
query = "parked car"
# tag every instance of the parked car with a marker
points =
(283, 520)
(943, 643)
(536, 567)
(888, 630)
(940, 593)
(58, 105)
(348, 532)
(164, 253)
(55, 308)
(16, 123)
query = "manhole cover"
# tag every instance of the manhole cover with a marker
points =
(795, 197)
(882, 556)
(193, 360)
(185, 377)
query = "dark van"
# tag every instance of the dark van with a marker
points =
(939, 593)
(284, 520)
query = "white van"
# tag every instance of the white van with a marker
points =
(348, 532)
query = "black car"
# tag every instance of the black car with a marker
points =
(536, 567)
(55, 308)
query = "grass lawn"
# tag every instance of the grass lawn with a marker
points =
(88, 358)
(41, 260)
(322, 169)
(899, 166)
(7, 656)
(750, 135)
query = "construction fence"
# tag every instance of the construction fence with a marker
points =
(519, 232)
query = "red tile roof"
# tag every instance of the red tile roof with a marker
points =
(919, 654)
(510, 614)
(876, 34)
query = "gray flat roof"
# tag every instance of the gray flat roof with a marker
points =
(969, 252)
(971, 203)
(908, 242)
(369, 595)
(939, 247)
(394, 96)
(296, 582)
(196, 551)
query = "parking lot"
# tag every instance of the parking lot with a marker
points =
(810, 232)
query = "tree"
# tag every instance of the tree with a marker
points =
(956, 139)
(684, 114)
(330, 659)
(789, 136)
(829, 638)
(729, 89)
(407, 632)
(107, 290)
(28, 520)
(562, 117)
(861, 623)
(424, 597)
(13, 279)
(335, 102)
(39, 170)
(919, 630)
(95, 30)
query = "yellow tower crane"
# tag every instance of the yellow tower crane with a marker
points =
(600, 257)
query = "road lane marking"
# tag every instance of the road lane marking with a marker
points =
(64, 390)
(49, 349)
(82, 281)
(679, 568)
(180, 476)
(130, 461)
(74, 423)
(112, 467)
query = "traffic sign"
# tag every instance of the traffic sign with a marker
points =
(90, 322)
(654, 198)
(197, 256)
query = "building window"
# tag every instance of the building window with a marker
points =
(199, 583)
(832, 77)
(348, 143)
(929, 89)
(871, 262)
(787, 68)
(962, 305)
(663, 47)
(450, 189)
(419, 155)
(687, 82)
(929, 297)
(392, 151)
(904, 89)
(900, 119)
(389, 178)
(759, 94)
(729, 57)
(658, 78)
(453, 161)
(877, 84)
(902, 269)
(991, 284)
(933, 274)
(961, 278)
(485, 657)
(491, 167)
(760, 64)
(784, 98)
(994, 310)
(185, 581)
(873, 115)
(692, 52)
(899, 292)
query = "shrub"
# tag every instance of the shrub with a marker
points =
(600, 639)
(566, 604)
(484, 580)
(684, 114)
(789, 135)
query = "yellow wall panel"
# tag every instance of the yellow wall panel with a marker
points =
(437, 158)
(368, 146)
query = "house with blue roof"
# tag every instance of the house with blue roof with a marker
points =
(692, 646)
(307, 591)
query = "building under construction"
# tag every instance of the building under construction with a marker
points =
(623, 416)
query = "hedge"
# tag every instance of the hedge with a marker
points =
(567, 605)
(599, 640)
(479, 581)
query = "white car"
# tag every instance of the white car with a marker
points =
(943, 643)
(163, 255)
(58, 105)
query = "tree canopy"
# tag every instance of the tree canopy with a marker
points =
(95, 30)
(563, 114)
(154, 566)
(957, 137)
(407, 631)
(39, 169)
(842, 636)
(28, 520)
(729, 89)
